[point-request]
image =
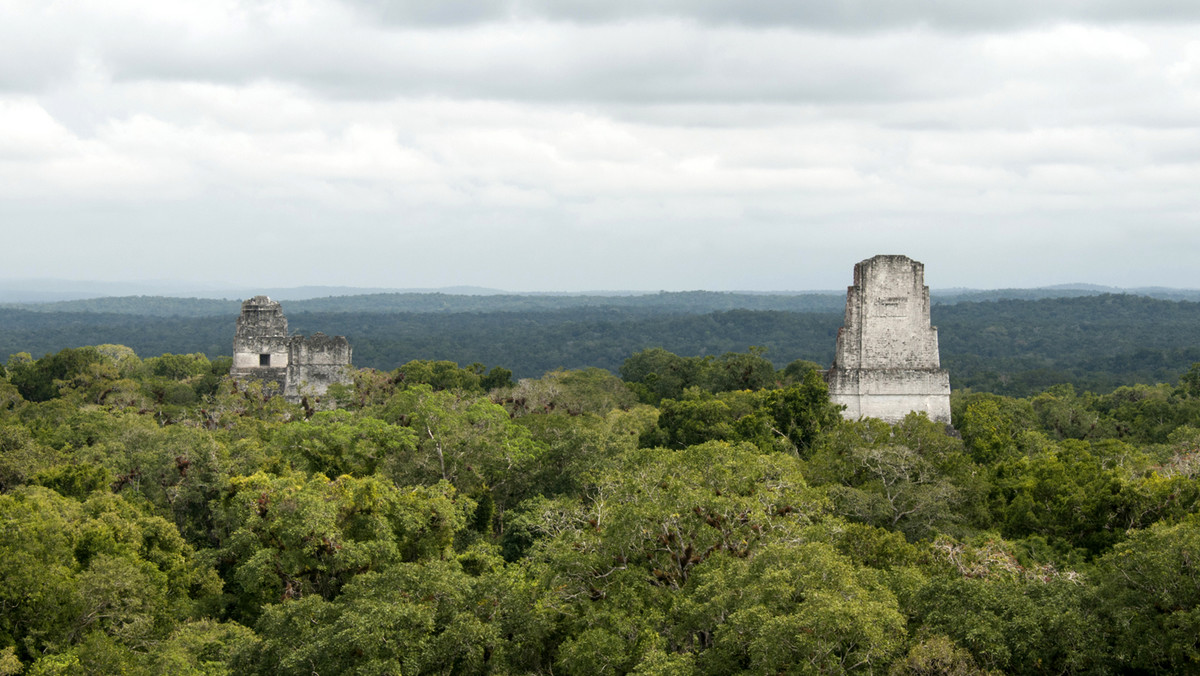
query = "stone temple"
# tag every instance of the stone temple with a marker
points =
(887, 362)
(295, 365)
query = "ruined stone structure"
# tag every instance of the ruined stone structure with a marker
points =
(294, 365)
(887, 361)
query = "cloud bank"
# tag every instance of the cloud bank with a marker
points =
(572, 145)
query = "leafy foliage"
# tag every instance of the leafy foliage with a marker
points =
(707, 515)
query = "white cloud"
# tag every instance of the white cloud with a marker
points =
(565, 146)
(859, 15)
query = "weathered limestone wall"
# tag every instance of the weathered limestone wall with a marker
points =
(261, 318)
(887, 362)
(248, 353)
(319, 361)
(891, 394)
(262, 330)
(293, 365)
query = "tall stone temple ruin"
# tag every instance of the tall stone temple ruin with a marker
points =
(887, 362)
(295, 365)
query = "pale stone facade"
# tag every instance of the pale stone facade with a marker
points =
(887, 362)
(293, 365)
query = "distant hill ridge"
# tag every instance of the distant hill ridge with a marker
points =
(950, 296)
(450, 301)
(687, 302)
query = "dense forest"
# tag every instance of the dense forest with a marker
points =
(675, 302)
(1015, 347)
(693, 514)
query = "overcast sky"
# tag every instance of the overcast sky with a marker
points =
(616, 144)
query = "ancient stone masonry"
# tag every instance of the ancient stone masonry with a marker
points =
(887, 362)
(294, 365)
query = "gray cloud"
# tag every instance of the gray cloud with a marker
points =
(842, 15)
(606, 145)
(656, 53)
(658, 61)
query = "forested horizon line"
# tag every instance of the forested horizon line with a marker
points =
(1009, 346)
(470, 299)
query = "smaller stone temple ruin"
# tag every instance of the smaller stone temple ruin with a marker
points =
(294, 365)
(887, 362)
